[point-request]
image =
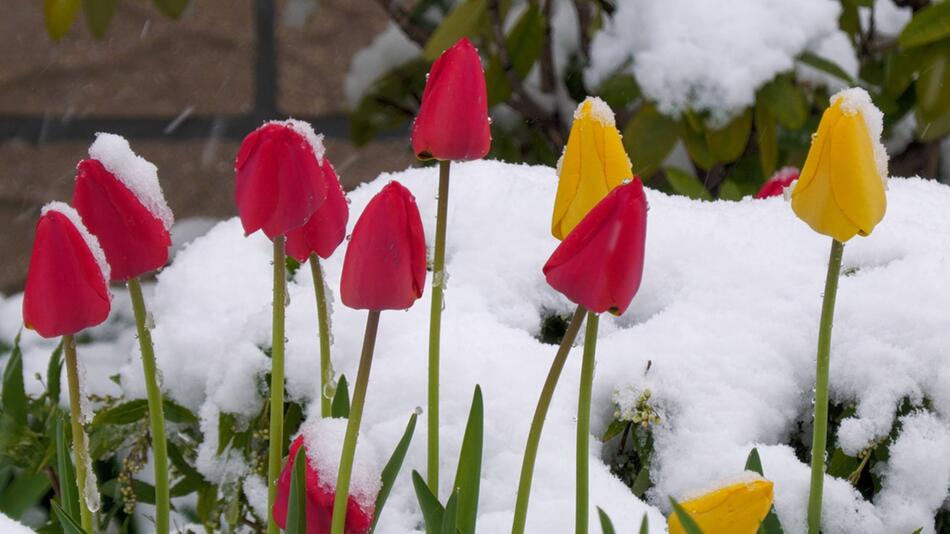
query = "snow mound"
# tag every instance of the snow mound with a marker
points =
(91, 241)
(324, 441)
(135, 172)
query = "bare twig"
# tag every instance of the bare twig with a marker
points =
(401, 16)
(583, 26)
(548, 74)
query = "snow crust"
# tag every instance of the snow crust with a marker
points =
(707, 55)
(727, 313)
(599, 111)
(135, 172)
(91, 241)
(9, 526)
(306, 130)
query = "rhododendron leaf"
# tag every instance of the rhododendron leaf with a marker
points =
(341, 400)
(469, 472)
(929, 25)
(684, 183)
(727, 143)
(825, 65)
(463, 21)
(392, 468)
(297, 507)
(432, 510)
(606, 525)
(687, 521)
(649, 137)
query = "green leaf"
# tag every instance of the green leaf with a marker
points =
(469, 473)
(645, 525)
(176, 413)
(649, 137)
(606, 525)
(825, 65)
(684, 183)
(68, 491)
(392, 468)
(929, 25)
(191, 479)
(59, 16)
(728, 143)
(122, 414)
(24, 492)
(390, 102)
(933, 90)
(642, 483)
(54, 372)
(686, 520)
(766, 138)
(450, 518)
(463, 21)
(900, 68)
(70, 526)
(297, 503)
(786, 101)
(171, 8)
(696, 146)
(98, 14)
(13, 396)
(619, 90)
(614, 429)
(340, 408)
(753, 462)
(432, 510)
(292, 418)
(918, 531)
(524, 46)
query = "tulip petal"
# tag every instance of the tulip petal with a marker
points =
(737, 508)
(858, 187)
(326, 228)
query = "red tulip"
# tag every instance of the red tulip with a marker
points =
(775, 186)
(319, 500)
(279, 183)
(327, 226)
(600, 263)
(67, 283)
(134, 239)
(385, 263)
(453, 120)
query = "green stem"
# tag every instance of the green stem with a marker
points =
(820, 430)
(353, 424)
(155, 410)
(319, 288)
(537, 423)
(79, 434)
(276, 435)
(583, 424)
(435, 328)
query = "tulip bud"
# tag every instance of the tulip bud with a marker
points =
(385, 263)
(67, 282)
(594, 162)
(279, 183)
(600, 263)
(841, 191)
(452, 123)
(319, 499)
(737, 508)
(776, 185)
(118, 196)
(327, 226)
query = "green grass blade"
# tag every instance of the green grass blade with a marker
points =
(469, 473)
(606, 525)
(341, 400)
(392, 469)
(432, 510)
(450, 518)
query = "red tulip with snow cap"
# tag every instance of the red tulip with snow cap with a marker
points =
(118, 196)
(778, 183)
(385, 263)
(279, 182)
(67, 282)
(600, 263)
(326, 228)
(452, 123)
(319, 499)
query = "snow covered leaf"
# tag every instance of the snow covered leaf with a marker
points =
(59, 16)
(727, 144)
(686, 184)
(98, 14)
(606, 525)
(469, 473)
(649, 137)
(392, 468)
(297, 507)
(171, 8)
(929, 25)
(462, 21)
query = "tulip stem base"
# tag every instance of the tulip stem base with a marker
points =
(820, 429)
(353, 424)
(583, 424)
(435, 329)
(320, 290)
(537, 423)
(155, 410)
(79, 433)
(276, 433)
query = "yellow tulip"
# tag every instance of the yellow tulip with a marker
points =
(734, 509)
(594, 162)
(841, 189)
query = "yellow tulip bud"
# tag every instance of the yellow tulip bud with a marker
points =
(594, 162)
(734, 509)
(840, 192)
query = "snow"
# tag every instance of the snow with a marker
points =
(134, 171)
(9, 526)
(91, 241)
(599, 111)
(304, 129)
(390, 49)
(857, 100)
(727, 313)
(707, 55)
(324, 441)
